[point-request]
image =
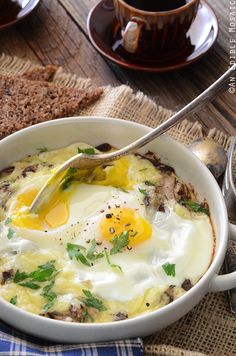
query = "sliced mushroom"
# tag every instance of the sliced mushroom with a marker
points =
(187, 285)
(120, 316)
(170, 293)
(33, 168)
(6, 275)
(104, 147)
(6, 171)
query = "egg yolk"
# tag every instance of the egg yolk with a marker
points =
(119, 220)
(115, 176)
(55, 214)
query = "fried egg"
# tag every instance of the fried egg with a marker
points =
(104, 235)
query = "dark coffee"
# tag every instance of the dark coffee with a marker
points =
(10, 9)
(156, 5)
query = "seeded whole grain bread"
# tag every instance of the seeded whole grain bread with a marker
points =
(40, 73)
(26, 102)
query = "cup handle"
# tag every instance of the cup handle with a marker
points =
(131, 35)
(227, 281)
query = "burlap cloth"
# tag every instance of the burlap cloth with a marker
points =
(209, 329)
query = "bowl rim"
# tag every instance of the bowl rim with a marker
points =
(145, 317)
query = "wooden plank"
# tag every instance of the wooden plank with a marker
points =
(13, 44)
(55, 38)
(173, 90)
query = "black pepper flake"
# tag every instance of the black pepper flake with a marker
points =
(129, 248)
(98, 242)
(128, 224)
(45, 231)
(88, 241)
(108, 216)
(147, 304)
(109, 207)
(112, 230)
(102, 211)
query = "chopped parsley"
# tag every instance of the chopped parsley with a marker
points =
(42, 274)
(119, 242)
(13, 300)
(169, 269)
(30, 284)
(77, 252)
(112, 264)
(143, 191)
(92, 254)
(90, 301)
(8, 221)
(149, 184)
(49, 295)
(85, 316)
(196, 207)
(20, 276)
(69, 178)
(10, 233)
(87, 151)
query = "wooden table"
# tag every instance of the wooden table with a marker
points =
(56, 33)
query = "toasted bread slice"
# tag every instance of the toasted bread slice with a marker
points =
(40, 73)
(25, 102)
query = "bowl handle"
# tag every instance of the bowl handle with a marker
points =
(227, 281)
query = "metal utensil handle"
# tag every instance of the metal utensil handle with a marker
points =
(193, 106)
(225, 281)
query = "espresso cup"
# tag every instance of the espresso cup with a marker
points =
(153, 32)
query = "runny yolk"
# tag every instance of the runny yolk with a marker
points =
(55, 213)
(119, 220)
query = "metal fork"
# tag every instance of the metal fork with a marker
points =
(229, 193)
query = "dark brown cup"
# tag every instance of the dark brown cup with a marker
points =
(154, 32)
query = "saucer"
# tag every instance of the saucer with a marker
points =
(104, 33)
(13, 11)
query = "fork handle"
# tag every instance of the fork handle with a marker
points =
(209, 94)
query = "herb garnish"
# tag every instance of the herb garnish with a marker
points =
(92, 254)
(87, 151)
(77, 252)
(169, 269)
(8, 221)
(149, 184)
(10, 233)
(13, 300)
(119, 242)
(91, 301)
(49, 295)
(86, 316)
(113, 265)
(68, 178)
(81, 254)
(143, 191)
(42, 274)
(30, 284)
(196, 207)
